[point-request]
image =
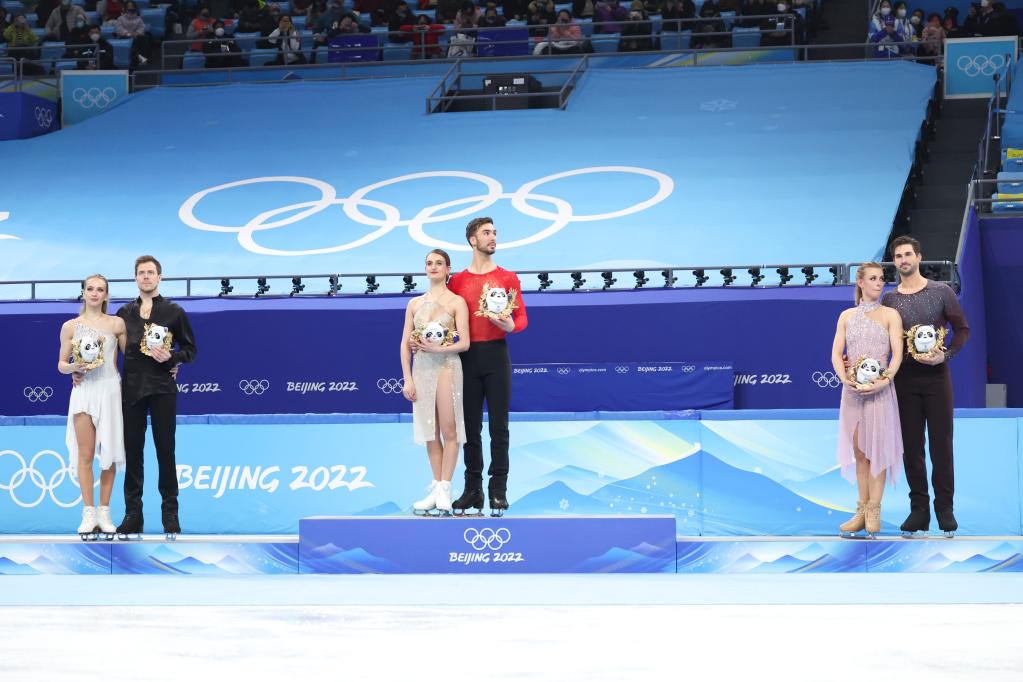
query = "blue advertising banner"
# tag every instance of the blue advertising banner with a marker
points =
(971, 64)
(25, 115)
(610, 544)
(629, 386)
(85, 94)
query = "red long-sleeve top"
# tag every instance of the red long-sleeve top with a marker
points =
(470, 286)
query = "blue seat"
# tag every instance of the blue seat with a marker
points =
(193, 60)
(142, 4)
(396, 52)
(155, 20)
(728, 19)
(605, 42)
(1011, 206)
(80, 3)
(366, 18)
(432, 13)
(262, 57)
(299, 21)
(680, 40)
(246, 41)
(107, 31)
(285, 7)
(14, 7)
(122, 52)
(66, 65)
(92, 18)
(346, 48)
(51, 51)
(745, 37)
(497, 42)
(1010, 182)
(586, 26)
(305, 41)
(1011, 165)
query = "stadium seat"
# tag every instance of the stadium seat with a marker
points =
(14, 7)
(92, 18)
(1010, 182)
(246, 41)
(605, 42)
(156, 21)
(397, 51)
(122, 52)
(745, 37)
(1014, 205)
(672, 40)
(193, 60)
(728, 19)
(143, 4)
(66, 65)
(262, 57)
(1012, 160)
(586, 25)
(51, 51)
(502, 42)
(285, 7)
(107, 31)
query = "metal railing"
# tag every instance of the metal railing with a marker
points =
(405, 283)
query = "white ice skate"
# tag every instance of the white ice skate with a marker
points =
(442, 497)
(426, 505)
(105, 523)
(88, 530)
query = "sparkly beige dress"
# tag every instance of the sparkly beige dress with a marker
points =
(426, 371)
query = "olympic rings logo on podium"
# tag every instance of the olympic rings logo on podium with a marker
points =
(37, 394)
(563, 213)
(391, 385)
(484, 538)
(254, 386)
(826, 379)
(94, 97)
(44, 117)
(980, 64)
(28, 473)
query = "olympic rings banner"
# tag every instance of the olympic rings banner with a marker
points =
(85, 94)
(971, 64)
(25, 115)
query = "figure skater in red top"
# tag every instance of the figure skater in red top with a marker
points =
(496, 308)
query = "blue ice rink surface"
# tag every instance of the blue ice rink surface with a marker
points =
(646, 168)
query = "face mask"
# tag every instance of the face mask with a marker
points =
(782, 7)
(915, 20)
(94, 37)
(901, 12)
(885, 11)
(219, 32)
(984, 3)
(80, 23)
(65, 3)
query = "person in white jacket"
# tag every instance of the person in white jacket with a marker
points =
(130, 25)
(63, 20)
(286, 38)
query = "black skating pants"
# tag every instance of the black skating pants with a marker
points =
(163, 409)
(925, 401)
(486, 376)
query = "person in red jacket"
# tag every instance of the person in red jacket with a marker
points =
(496, 308)
(424, 36)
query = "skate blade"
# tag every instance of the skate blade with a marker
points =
(421, 512)
(496, 513)
(950, 534)
(850, 535)
(171, 537)
(88, 537)
(872, 536)
(125, 537)
(911, 534)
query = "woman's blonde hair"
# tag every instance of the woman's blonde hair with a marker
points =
(105, 284)
(858, 296)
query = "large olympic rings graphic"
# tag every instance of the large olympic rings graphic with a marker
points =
(254, 386)
(28, 473)
(826, 379)
(981, 64)
(483, 538)
(562, 215)
(37, 394)
(94, 97)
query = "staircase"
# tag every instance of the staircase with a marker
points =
(935, 212)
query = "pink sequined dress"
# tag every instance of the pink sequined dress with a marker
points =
(877, 415)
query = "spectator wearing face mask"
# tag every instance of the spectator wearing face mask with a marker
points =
(63, 19)
(637, 33)
(784, 28)
(563, 37)
(884, 10)
(491, 19)
(221, 51)
(425, 38)
(889, 39)
(286, 39)
(916, 25)
(901, 15)
(22, 43)
(98, 53)
(998, 21)
(673, 11)
(77, 36)
(201, 27)
(130, 25)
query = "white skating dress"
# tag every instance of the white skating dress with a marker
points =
(426, 370)
(99, 396)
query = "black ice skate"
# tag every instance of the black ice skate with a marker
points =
(171, 525)
(947, 522)
(917, 523)
(131, 527)
(498, 503)
(472, 498)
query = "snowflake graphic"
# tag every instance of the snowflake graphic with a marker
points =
(717, 105)
(642, 510)
(563, 505)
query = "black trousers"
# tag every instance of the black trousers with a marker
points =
(925, 400)
(486, 375)
(164, 411)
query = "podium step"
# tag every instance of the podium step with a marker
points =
(524, 544)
